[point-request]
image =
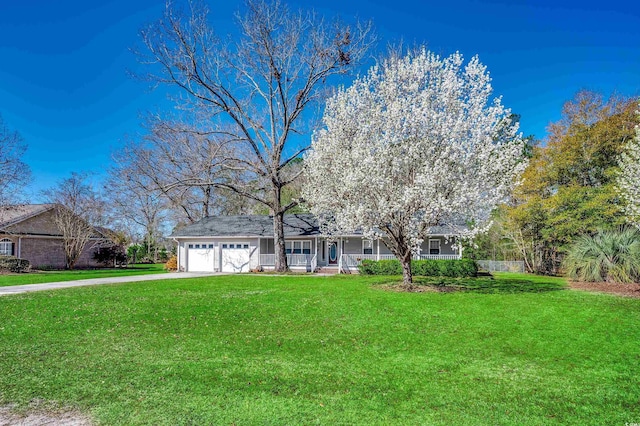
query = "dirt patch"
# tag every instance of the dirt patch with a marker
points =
(628, 290)
(418, 288)
(38, 417)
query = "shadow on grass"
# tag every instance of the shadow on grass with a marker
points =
(490, 284)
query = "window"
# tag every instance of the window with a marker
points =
(197, 245)
(434, 246)
(367, 247)
(235, 246)
(190, 245)
(6, 247)
(297, 247)
(210, 245)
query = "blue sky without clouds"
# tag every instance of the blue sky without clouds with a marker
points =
(64, 84)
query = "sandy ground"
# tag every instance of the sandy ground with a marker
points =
(39, 417)
(628, 290)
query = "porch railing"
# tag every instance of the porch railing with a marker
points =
(267, 259)
(292, 260)
(353, 260)
(438, 257)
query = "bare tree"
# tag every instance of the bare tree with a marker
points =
(175, 152)
(78, 210)
(256, 88)
(14, 173)
(135, 203)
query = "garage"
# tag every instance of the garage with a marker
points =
(201, 258)
(235, 257)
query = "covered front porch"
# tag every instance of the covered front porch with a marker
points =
(344, 254)
(302, 254)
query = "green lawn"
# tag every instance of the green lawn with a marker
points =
(250, 349)
(53, 276)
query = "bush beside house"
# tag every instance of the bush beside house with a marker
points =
(13, 264)
(433, 268)
(172, 264)
(110, 255)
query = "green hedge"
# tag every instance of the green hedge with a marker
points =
(13, 264)
(430, 268)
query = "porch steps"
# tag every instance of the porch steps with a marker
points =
(327, 270)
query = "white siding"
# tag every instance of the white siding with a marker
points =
(183, 257)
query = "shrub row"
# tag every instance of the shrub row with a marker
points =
(13, 264)
(429, 268)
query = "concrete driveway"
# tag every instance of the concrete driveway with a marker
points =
(17, 289)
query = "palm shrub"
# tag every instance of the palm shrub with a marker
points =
(612, 256)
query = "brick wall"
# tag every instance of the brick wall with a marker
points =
(42, 224)
(45, 252)
(49, 252)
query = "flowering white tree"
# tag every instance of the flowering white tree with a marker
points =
(629, 178)
(414, 144)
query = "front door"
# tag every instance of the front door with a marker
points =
(333, 253)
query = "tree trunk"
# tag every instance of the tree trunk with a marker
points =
(398, 245)
(407, 276)
(278, 238)
(71, 261)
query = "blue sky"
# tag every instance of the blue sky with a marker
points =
(64, 84)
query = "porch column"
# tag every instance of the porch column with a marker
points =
(19, 247)
(177, 255)
(378, 253)
(459, 249)
(339, 250)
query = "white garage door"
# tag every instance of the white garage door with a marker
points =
(200, 258)
(235, 257)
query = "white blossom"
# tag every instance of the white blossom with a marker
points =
(629, 178)
(416, 143)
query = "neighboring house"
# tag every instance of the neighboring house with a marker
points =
(29, 232)
(242, 243)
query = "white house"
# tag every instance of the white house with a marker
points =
(242, 243)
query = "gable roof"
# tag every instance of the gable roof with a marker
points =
(249, 226)
(11, 215)
(295, 225)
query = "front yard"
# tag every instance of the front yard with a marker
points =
(80, 274)
(253, 349)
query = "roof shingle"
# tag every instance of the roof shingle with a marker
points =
(10, 215)
(295, 225)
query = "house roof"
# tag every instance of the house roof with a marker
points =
(249, 226)
(295, 225)
(10, 215)
(15, 214)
